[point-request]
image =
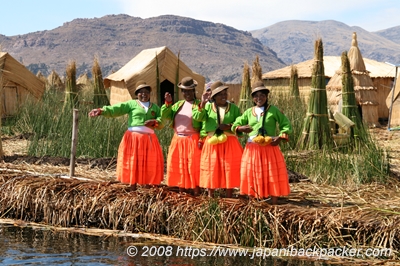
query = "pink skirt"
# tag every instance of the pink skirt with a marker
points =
(183, 162)
(220, 164)
(263, 172)
(140, 159)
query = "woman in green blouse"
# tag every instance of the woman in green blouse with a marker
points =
(222, 152)
(140, 159)
(263, 169)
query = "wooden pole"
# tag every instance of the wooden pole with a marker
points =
(73, 143)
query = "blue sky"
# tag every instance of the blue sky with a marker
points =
(25, 16)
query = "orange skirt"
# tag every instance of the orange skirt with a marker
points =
(140, 159)
(220, 164)
(183, 162)
(263, 172)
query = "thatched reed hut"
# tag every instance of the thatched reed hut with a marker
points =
(144, 67)
(365, 92)
(393, 103)
(83, 79)
(83, 82)
(18, 84)
(41, 76)
(54, 81)
(382, 76)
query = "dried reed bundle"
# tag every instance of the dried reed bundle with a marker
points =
(256, 71)
(349, 107)
(245, 101)
(294, 82)
(71, 90)
(99, 93)
(316, 130)
(324, 217)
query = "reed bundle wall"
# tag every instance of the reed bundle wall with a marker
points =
(110, 205)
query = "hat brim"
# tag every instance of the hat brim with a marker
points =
(218, 90)
(191, 87)
(142, 87)
(259, 89)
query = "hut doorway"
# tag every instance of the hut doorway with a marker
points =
(165, 86)
(360, 111)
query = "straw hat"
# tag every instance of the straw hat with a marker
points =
(187, 83)
(258, 86)
(217, 87)
(140, 85)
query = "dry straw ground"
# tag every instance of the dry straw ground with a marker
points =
(365, 215)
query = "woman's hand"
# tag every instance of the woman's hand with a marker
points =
(244, 129)
(225, 127)
(151, 123)
(95, 112)
(275, 141)
(205, 98)
(168, 97)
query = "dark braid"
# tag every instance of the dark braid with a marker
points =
(218, 115)
(262, 130)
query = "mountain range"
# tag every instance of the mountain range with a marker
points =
(214, 50)
(293, 40)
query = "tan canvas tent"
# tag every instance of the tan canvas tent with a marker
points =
(365, 91)
(17, 84)
(393, 102)
(144, 67)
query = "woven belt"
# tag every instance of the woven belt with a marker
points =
(185, 135)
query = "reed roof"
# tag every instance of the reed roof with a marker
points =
(83, 79)
(332, 64)
(14, 71)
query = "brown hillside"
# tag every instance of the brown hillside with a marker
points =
(214, 50)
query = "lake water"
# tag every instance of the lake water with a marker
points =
(41, 246)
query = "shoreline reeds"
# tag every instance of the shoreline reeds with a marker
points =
(332, 217)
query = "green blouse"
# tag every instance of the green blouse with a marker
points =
(208, 115)
(137, 115)
(169, 111)
(274, 117)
